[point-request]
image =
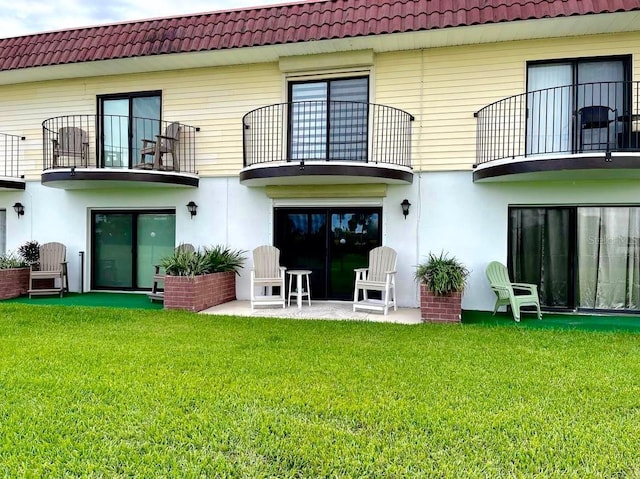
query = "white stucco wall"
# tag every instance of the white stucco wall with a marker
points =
(469, 220)
(449, 213)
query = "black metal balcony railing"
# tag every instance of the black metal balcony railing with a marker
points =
(10, 155)
(583, 118)
(111, 141)
(327, 131)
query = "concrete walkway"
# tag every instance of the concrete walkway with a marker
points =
(331, 310)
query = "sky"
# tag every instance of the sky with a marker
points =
(23, 17)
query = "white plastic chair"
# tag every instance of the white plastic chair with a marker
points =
(266, 275)
(379, 276)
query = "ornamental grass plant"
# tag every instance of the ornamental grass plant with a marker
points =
(442, 274)
(210, 259)
(103, 392)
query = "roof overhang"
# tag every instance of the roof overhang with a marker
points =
(466, 35)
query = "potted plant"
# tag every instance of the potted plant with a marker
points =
(14, 276)
(197, 280)
(30, 252)
(442, 280)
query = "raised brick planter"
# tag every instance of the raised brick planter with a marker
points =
(13, 282)
(199, 292)
(440, 309)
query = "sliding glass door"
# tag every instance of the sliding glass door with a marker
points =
(330, 242)
(329, 120)
(557, 93)
(609, 258)
(126, 246)
(584, 258)
(125, 120)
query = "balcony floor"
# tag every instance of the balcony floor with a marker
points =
(324, 172)
(92, 178)
(569, 167)
(8, 183)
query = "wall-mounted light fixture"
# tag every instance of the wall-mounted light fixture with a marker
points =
(19, 209)
(192, 208)
(405, 207)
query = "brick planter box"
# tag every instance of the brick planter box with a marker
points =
(440, 309)
(199, 292)
(13, 282)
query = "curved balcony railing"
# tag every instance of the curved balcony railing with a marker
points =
(327, 131)
(10, 155)
(566, 120)
(111, 141)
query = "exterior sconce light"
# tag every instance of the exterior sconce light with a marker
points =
(405, 207)
(19, 209)
(192, 208)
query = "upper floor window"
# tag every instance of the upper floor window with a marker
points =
(329, 119)
(125, 119)
(578, 105)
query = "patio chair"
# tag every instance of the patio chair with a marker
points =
(379, 276)
(595, 124)
(73, 143)
(266, 275)
(51, 269)
(158, 277)
(511, 294)
(159, 148)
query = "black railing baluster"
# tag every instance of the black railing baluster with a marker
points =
(112, 141)
(548, 122)
(327, 131)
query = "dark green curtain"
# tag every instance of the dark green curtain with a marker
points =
(539, 252)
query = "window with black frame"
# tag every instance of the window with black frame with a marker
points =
(578, 105)
(329, 119)
(581, 257)
(125, 119)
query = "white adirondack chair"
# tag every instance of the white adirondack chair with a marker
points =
(379, 276)
(52, 265)
(266, 275)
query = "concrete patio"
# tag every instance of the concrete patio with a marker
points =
(330, 310)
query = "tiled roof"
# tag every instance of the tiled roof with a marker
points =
(280, 24)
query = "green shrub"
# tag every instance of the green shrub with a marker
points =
(214, 259)
(30, 252)
(442, 274)
(10, 260)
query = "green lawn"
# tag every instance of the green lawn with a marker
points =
(104, 392)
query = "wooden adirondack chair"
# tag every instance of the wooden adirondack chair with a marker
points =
(267, 274)
(511, 294)
(72, 143)
(162, 146)
(52, 265)
(158, 276)
(379, 276)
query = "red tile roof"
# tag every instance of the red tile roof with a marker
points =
(280, 24)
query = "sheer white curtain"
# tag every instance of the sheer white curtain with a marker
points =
(609, 258)
(549, 122)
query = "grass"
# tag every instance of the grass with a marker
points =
(104, 392)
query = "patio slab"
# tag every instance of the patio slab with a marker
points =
(330, 310)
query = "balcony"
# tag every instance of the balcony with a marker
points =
(10, 177)
(108, 151)
(584, 131)
(326, 142)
